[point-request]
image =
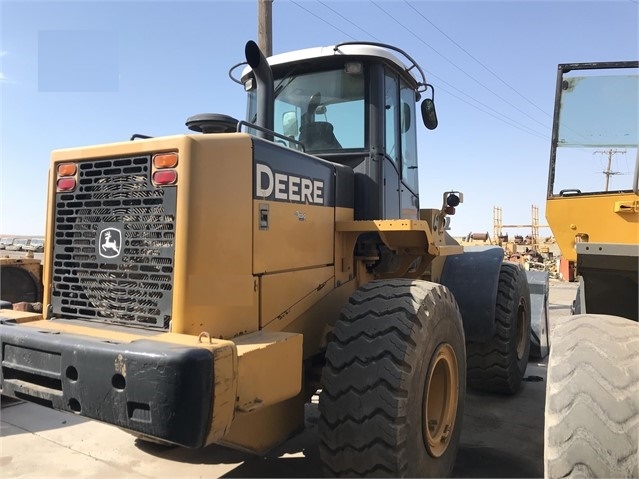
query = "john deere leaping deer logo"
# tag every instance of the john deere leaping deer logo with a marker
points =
(110, 243)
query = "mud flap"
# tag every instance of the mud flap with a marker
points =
(472, 277)
(539, 333)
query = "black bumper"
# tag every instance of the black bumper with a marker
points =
(154, 388)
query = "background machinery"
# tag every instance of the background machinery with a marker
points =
(200, 288)
(20, 281)
(592, 400)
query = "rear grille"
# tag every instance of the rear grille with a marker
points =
(114, 245)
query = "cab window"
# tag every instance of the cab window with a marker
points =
(408, 136)
(391, 114)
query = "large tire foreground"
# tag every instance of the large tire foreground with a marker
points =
(499, 365)
(394, 383)
(592, 398)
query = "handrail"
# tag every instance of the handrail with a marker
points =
(271, 132)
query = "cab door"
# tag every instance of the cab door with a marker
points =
(409, 199)
(392, 148)
(400, 150)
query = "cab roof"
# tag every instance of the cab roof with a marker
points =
(350, 49)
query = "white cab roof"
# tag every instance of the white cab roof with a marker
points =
(330, 51)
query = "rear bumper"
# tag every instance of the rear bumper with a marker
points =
(159, 389)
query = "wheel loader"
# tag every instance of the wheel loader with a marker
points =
(592, 397)
(199, 288)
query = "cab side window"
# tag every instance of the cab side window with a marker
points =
(391, 100)
(408, 137)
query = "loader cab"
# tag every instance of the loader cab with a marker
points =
(353, 104)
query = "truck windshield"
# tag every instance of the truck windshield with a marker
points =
(596, 146)
(323, 110)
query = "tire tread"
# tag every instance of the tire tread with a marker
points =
(364, 416)
(491, 366)
(592, 398)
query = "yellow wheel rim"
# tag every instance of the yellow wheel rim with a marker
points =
(441, 395)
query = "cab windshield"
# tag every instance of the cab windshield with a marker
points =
(323, 110)
(597, 132)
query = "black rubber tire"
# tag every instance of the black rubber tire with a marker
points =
(378, 362)
(499, 365)
(592, 398)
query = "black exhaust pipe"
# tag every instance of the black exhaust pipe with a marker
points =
(264, 79)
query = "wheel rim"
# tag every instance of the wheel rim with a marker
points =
(521, 329)
(441, 395)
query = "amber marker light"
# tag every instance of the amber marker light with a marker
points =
(165, 160)
(66, 176)
(66, 184)
(165, 177)
(67, 169)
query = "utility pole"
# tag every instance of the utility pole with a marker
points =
(265, 26)
(608, 172)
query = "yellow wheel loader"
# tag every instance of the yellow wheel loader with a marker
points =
(592, 397)
(199, 288)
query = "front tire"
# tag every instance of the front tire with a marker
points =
(499, 364)
(394, 383)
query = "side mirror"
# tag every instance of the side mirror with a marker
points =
(429, 115)
(290, 127)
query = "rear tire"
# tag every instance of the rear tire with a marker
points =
(499, 364)
(394, 383)
(592, 398)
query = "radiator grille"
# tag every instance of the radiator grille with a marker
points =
(114, 245)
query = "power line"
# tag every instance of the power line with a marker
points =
(477, 60)
(320, 18)
(514, 123)
(521, 128)
(497, 115)
(458, 67)
(347, 20)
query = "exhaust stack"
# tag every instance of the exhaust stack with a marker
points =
(264, 82)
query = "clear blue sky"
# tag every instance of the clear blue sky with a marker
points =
(75, 73)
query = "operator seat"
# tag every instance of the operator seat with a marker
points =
(318, 135)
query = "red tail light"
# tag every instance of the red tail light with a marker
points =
(165, 177)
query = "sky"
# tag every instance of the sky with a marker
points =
(76, 73)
